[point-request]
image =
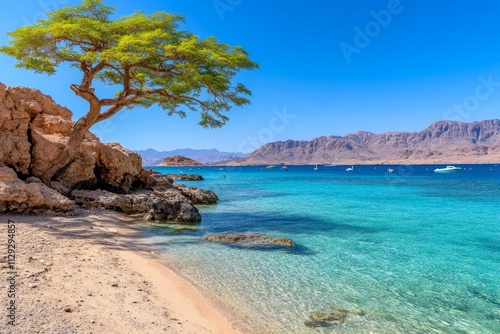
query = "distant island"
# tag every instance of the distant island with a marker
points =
(151, 157)
(441, 143)
(179, 160)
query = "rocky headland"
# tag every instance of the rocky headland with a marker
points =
(179, 160)
(33, 132)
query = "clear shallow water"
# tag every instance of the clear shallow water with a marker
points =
(418, 252)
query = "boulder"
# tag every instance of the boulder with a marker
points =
(118, 167)
(249, 239)
(18, 196)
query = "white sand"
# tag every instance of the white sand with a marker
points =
(92, 274)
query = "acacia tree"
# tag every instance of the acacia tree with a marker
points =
(146, 56)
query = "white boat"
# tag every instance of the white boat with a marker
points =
(315, 168)
(448, 170)
(221, 169)
(390, 170)
(350, 169)
(284, 167)
(271, 166)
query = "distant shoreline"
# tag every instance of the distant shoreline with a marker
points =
(338, 165)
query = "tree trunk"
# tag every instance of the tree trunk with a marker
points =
(72, 146)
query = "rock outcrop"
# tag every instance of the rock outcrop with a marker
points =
(249, 239)
(150, 205)
(197, 195)
(179, 160)
(442, 142)
(34, 131)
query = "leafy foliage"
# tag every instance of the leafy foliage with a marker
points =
(146, 55)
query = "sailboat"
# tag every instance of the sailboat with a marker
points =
(315, 168)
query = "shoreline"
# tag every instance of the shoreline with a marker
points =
(92, 272)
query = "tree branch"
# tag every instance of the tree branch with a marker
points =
(110, 112)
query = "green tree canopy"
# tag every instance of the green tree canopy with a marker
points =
(147, 56)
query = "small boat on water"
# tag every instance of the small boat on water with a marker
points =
(315, 168)
(390, 170)
(284, 167)
(271, 166)
(350, 169)
(221, 169)
(448, 170)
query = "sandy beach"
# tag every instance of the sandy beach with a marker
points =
(92, 273)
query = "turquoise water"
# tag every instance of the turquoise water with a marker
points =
(418, 252)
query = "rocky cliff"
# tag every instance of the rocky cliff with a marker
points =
(34, 131)
(179, 160)
(441, 142)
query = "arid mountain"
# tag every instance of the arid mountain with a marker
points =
(441, 142)
(179, 160)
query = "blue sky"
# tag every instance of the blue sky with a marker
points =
(326, 68)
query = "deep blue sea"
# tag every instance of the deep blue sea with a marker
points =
(418, 252)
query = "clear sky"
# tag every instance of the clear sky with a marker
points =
(327, 67)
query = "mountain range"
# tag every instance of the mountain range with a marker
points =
(151, 157)
(442, 142)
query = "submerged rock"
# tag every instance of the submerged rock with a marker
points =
(334, 316)
(186, 177)
(249, 239)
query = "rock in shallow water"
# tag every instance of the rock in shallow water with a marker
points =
(185, 177)
(249, 239)
(197, 195)
(334, 316)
